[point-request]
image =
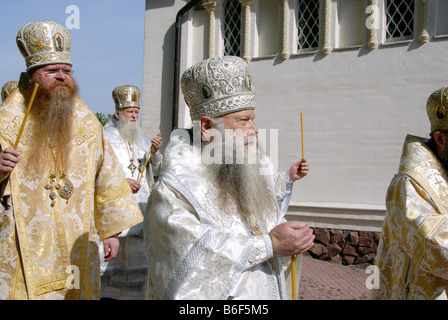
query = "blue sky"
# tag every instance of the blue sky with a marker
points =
(107, 49)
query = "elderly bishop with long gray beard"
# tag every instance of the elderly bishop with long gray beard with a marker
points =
(216, 229)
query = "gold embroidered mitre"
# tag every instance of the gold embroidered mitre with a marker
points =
(126, 97)
(8, 88)
(43, 43)
(217, 86)
(437, 109)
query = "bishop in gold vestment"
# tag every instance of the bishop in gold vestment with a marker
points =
(412, 257)
(51, 224)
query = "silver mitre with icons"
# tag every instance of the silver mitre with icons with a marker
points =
(218, 86)
(43, 43)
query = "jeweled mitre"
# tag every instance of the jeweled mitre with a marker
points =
(437, 109)
(217, 86)
(43, 43)
(126, 97)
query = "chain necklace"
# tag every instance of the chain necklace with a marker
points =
(253, 222)
(62, 185)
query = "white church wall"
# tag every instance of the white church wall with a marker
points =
(358, 105)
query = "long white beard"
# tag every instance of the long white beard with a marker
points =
(129, 132)
(242, 183)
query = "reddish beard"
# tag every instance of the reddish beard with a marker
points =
(52, 118)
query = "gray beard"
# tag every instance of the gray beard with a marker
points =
(242, 184)
(129, 132)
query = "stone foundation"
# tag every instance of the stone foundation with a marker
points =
(345, 246)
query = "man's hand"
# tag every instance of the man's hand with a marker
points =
(111, 245)
(8, 161)
(156, 143)
(135, 185)
(299, 170)
(291, 238)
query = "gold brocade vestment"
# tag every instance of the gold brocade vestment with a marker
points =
(413, 252)
(52, 252)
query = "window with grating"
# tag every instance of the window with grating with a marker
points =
(400, 20)
(308, 25)
(232, 28)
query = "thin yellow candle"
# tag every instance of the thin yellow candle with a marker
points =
(26, 115)
(301, 128)
(146, 162)
(293, 258)
(293, 276)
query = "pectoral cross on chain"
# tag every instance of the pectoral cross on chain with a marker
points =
(53, 186)
(132, 167)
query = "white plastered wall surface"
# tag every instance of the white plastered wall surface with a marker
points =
(358, 105)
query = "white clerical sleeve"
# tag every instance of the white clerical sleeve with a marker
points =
(190, 257)
(283, 190)
(156, 161)
(282, 184)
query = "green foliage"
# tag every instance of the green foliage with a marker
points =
(103, 118)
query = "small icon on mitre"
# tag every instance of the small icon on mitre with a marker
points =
(59, 42)
(440, 112)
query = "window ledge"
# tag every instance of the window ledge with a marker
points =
(347, 48)
(265, 57)
(396, 43)
(441, 36)
(307, 53)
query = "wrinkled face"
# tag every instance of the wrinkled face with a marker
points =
(130, 114)
(244, 121)
(54, 76)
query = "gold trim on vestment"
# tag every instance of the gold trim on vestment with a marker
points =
(112, 194)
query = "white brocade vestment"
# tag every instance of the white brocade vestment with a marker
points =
(125, 277)
(199, 251)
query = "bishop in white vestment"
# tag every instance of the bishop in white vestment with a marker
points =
(125, 277)
(217, 230)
